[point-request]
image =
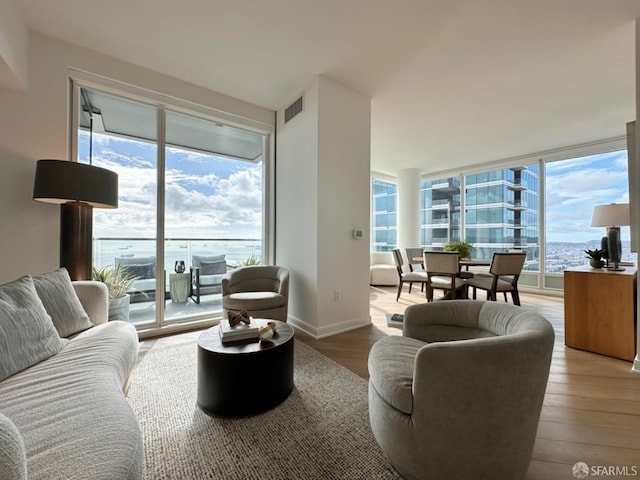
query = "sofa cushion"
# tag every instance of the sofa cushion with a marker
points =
(213, 268)
(391, 365)
(254, 301)
(71, 411)
(139, 270)
(209, 264)
(134, 260)
(210, 280)
(61, 302)
(27, 334)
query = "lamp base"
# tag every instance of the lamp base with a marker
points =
(614, 248)
(76, 230)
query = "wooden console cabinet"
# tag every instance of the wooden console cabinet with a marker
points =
(600, 311)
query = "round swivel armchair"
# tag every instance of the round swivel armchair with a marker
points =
(459, 395)
(261, 290)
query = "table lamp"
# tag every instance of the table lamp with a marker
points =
(77, 188)
(612, 216)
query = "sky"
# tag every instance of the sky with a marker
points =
(205, 196)
(574, 187)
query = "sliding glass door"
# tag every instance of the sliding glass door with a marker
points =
(213, 209)
(191, 203)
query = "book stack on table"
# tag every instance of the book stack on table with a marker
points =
(240, 331)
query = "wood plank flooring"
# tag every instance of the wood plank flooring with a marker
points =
(591, 411)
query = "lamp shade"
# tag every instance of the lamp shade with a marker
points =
(61, 181)
(611, 215)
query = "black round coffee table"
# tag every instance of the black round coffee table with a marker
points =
(244, 378)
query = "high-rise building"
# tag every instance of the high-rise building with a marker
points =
(384, 221)
(498, 211)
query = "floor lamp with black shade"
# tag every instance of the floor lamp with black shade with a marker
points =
(77, 188)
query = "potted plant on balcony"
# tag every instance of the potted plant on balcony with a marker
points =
(595, 257)
(118, 283)
(463, 248)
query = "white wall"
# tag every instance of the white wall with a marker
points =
(322, 195)
(34, 125)
(14, 45)
(297, 207)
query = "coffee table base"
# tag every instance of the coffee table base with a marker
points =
(242, 380)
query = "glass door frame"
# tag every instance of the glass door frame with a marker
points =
(162, 104)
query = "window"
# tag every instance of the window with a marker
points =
(501, 212)
(189, 186)
(439, 212)
(573, 188)
(384, 221)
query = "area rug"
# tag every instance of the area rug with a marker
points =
(320, 432)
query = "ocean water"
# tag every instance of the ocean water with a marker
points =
(105, 251)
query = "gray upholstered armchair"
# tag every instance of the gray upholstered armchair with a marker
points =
(459, 395)
(262, 290)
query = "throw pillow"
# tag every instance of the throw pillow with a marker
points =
(213, 268)
(196, 260)
(134, 261)
(61, 302)
(27, 334)
(140, 271)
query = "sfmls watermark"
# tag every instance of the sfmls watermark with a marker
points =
(582, 470)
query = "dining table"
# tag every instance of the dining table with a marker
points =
(464, 262)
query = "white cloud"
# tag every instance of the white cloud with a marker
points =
(202, 206)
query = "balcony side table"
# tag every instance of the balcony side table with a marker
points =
(179, 284)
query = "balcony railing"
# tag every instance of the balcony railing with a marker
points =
(236, 250)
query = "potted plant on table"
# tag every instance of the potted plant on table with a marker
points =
(118, 282)
(463, 248)
(595, 257)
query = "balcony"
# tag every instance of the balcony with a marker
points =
(143, 311)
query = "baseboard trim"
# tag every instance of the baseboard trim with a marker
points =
(635, 368)
(328, 330)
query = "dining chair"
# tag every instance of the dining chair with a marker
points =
(504, 274)
(410, 277)
(414, 254)
(442, 273)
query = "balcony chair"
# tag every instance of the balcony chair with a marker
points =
(459, 395)
(261, 290)
(144, 269)
(206, 275)
(410, 277)
(442, 272)
(503, 276)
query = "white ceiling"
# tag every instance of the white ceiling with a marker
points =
(452, 82)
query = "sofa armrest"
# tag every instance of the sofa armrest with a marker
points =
(13, 454)
(94, 297)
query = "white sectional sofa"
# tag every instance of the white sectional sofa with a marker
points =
(63, 368)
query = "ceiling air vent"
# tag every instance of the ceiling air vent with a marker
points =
(292, 110)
